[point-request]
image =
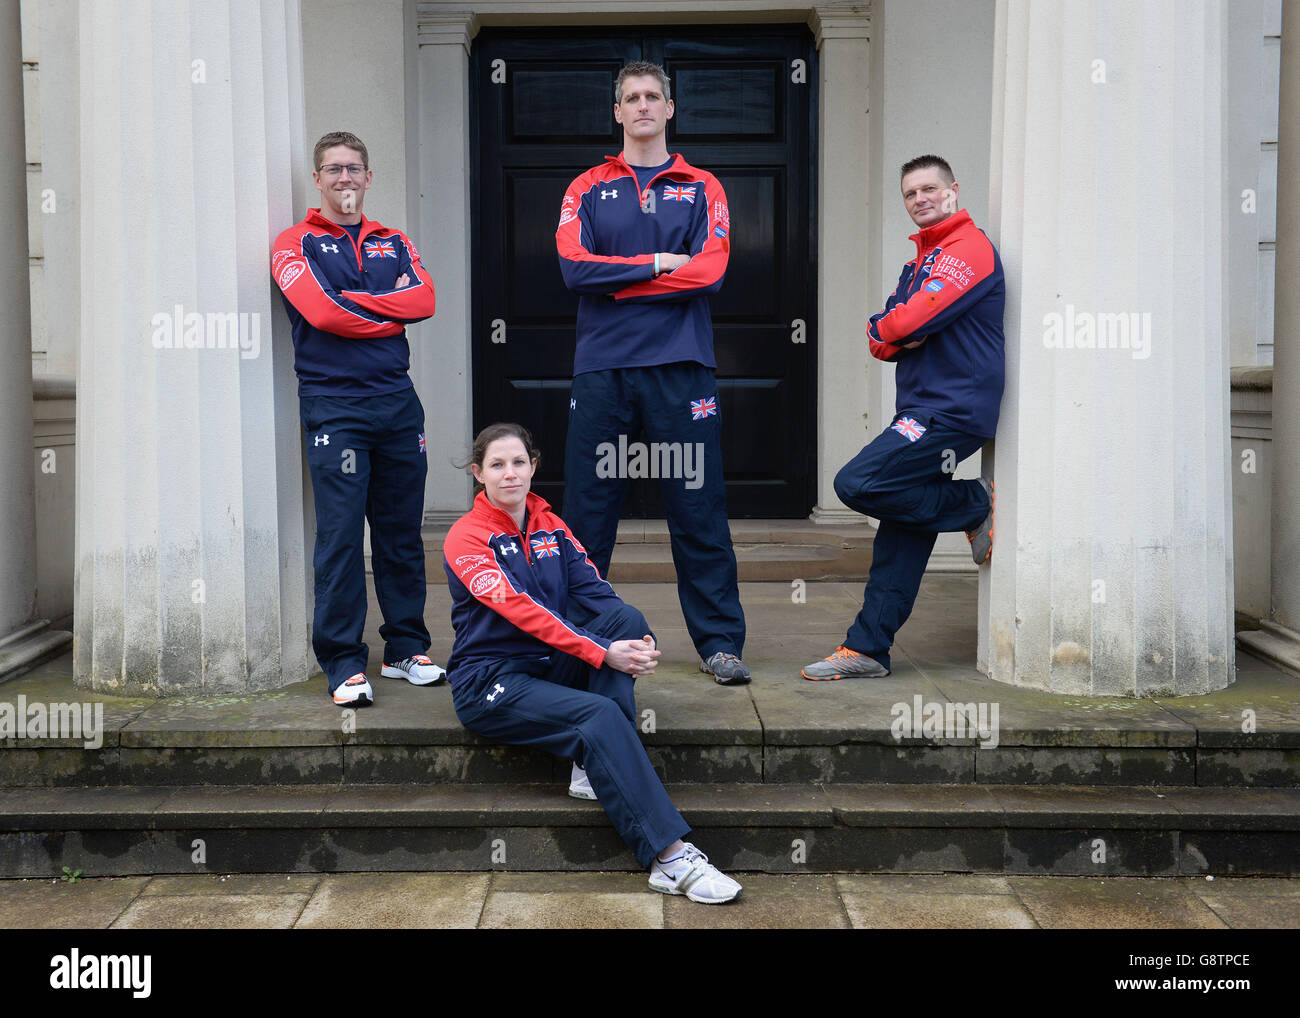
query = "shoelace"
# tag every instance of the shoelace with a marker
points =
(843, 655)
(726, 657)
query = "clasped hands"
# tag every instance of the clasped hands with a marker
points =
(635, 657)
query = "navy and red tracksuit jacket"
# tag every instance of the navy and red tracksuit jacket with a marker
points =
(952, 296)
(627, 317)
(511, 591)
(349, 321)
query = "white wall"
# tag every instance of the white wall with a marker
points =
(354, 73)
(935, 95)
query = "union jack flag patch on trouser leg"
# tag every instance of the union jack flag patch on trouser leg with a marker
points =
(909, 428)
(702, 408)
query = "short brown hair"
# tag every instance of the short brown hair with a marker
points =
(347, 138)
(924, 163)
(641, 69)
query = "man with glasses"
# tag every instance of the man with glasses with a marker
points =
(351, 286)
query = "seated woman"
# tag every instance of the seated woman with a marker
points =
(546, 655)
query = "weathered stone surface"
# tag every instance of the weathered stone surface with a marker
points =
(48, 904)
(212, 912)
(798, 901)
(1085, 766)
(857, 763)
(249, 765)
(1245, 853)
(1098, 851)
(1113, 904)
(914, 806)
(396, 901)
(1276, 768)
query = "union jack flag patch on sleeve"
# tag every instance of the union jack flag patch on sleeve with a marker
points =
(909, 428)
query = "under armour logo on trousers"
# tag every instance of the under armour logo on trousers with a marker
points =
(321, 440)
(497, 689)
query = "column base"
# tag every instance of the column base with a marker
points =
(835, 516)
(1275, 644)
(27, 647)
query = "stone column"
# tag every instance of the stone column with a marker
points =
(23, 640)
(443, 363)
(1112, 563)
(1278, 639)
(191, 551)
(842, 33)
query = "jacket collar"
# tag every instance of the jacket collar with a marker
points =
(534, 503)
(678, 165)
(368, 226)
(932, 235)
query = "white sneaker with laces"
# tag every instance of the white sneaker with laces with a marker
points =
(580, 784)
(693, 875)
(354, 691)
(418, 671)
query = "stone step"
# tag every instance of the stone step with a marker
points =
(451, 755)
(784, 828)
(777, 550)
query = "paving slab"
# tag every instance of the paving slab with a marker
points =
(938, 911)
(891, 885)
(212, 912)
(1080, 903)
(216, 884)
(396, 901)
(807, 901)
(44, 904)
(558, 901)
(1257, 912)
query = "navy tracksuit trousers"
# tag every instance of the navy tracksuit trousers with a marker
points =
(904, 479)
(367, 461)
(658, 399)
(566, 707)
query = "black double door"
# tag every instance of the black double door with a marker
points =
(542, 107)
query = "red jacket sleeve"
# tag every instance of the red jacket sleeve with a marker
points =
(305, 286)
(412, 303)
(962, 265)
(489, 582)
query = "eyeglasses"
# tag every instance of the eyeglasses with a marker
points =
(333, 170)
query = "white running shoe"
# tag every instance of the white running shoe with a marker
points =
(354, 691)
(580, 784)
(692, 874)
(418, 671)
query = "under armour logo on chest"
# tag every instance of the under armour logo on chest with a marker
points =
(509, 549)
(612, 193)
(330, 247)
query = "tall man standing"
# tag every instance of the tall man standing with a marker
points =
(351, 286)
(643, 239)
(942, 326)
